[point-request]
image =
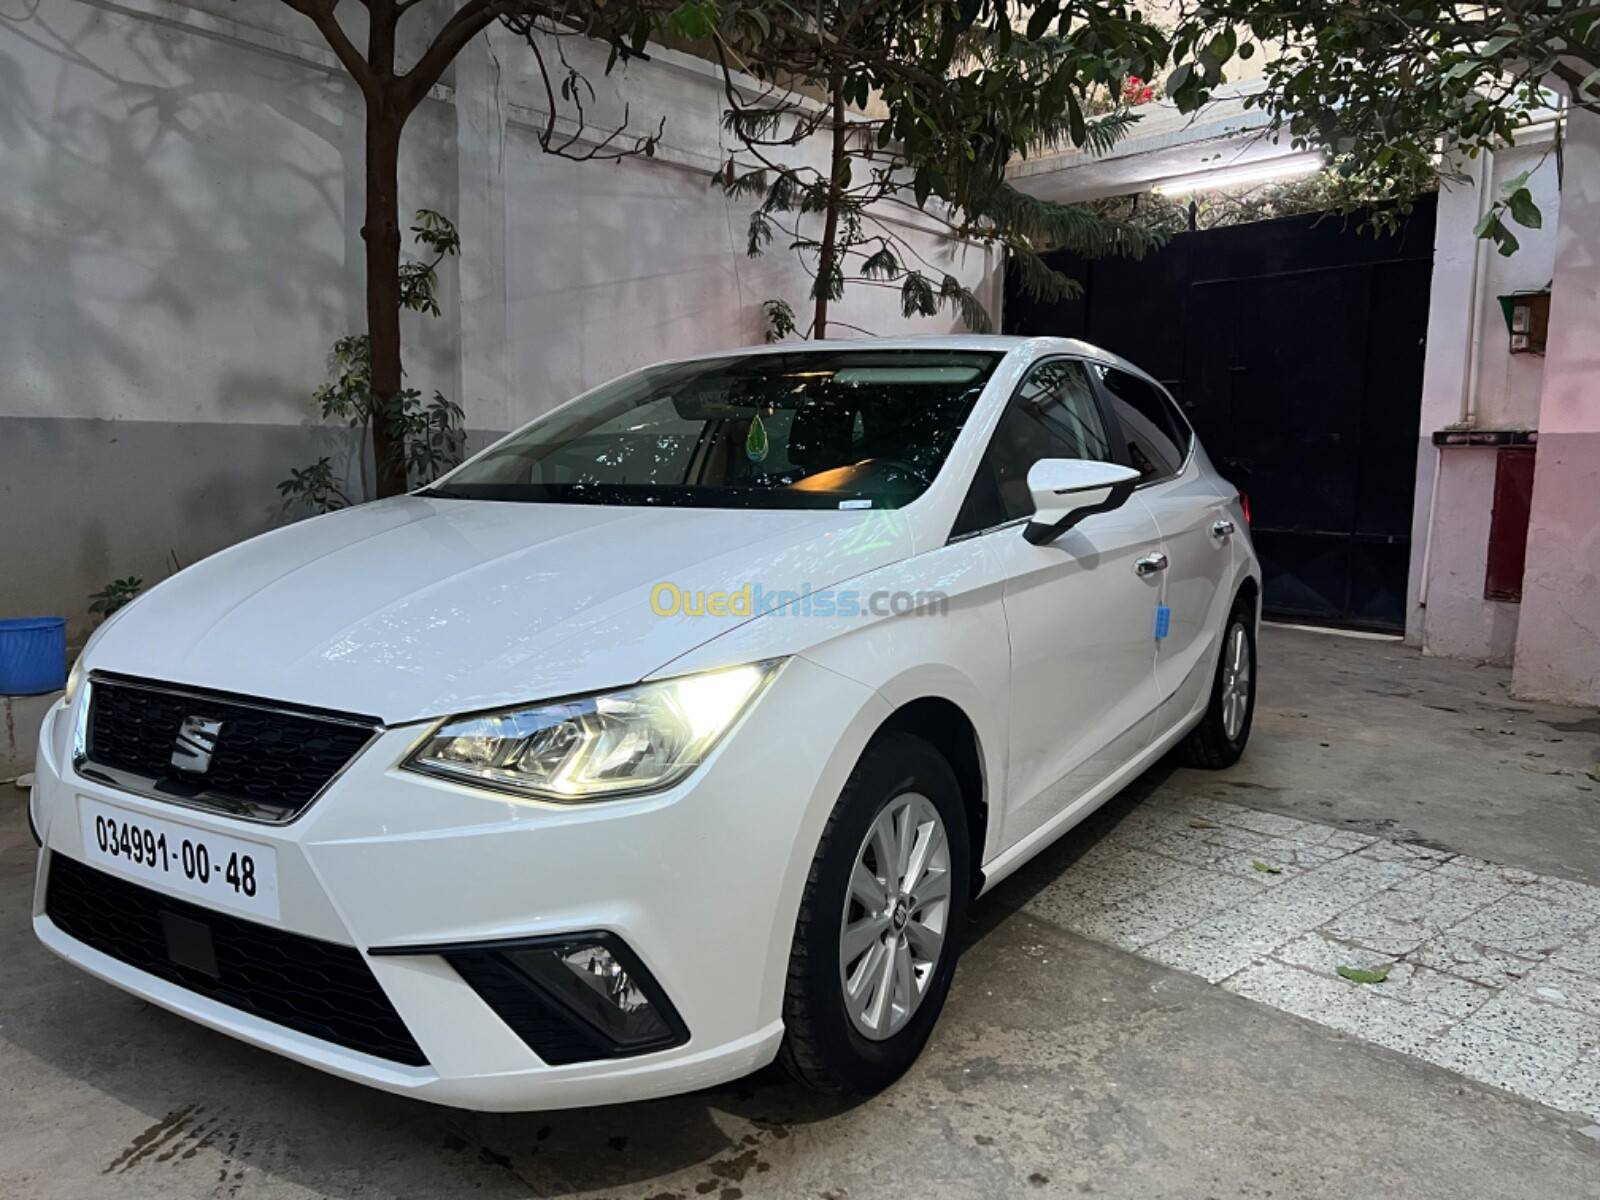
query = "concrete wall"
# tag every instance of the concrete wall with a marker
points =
(1473, 380)
(180, 207)
(1558, 638)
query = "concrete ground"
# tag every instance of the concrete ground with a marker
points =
(1062, 1066)
(1371, 736)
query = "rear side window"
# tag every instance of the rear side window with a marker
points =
(1156, 434)
(1053, 414)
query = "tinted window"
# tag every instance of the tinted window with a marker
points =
(1157, 436)
(834, 428)
(1052, 415)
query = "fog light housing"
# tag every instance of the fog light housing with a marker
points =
(571, 998)
(589, 981)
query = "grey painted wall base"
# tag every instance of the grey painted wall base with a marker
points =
(20, 718)
(83, 502)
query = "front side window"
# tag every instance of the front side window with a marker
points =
(1156, 435)
(834, 428)
(1052, 415)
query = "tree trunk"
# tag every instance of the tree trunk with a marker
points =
(381, 232)
(827, 253)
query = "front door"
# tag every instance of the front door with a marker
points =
(1079, 613)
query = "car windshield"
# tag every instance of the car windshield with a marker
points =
(835, 428)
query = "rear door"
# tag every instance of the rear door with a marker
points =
(1078, 613)
(1190, 511)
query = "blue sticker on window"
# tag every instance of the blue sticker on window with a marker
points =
(1163, 620)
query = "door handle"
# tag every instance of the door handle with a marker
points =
(1151, 563)
(1221, 529)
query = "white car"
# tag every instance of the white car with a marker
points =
(672, 734)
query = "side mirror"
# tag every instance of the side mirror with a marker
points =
(1066, 490)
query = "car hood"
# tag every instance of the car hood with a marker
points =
(415, 607)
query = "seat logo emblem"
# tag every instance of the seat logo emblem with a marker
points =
(197, 742)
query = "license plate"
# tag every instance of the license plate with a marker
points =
(217, 871)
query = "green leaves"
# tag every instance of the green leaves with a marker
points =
(1523, 210)
(1362, 975)
(436, 232)
(1075, 120)
(881, 264)
(1103, 133)
(1043, 17)
(780, 320)
(694, 19)
(430, 438)
(316, 489)
(1494, 229)
(939, 100)
(115, 594)
(759, 235)
(972, 312)
(1385, 83)
(418, 279)
(434, 435)
(1265, 868)
(1498, 45)
(916, 297)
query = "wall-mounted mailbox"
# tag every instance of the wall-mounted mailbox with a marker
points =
(1527, 320)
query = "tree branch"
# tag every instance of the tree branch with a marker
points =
(601, 150)
(321, 13)
(466, 23)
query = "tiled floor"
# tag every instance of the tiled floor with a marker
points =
(1493, 972)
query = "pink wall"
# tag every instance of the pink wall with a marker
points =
(1558, 637)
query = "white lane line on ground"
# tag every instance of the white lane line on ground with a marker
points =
(1493, 972)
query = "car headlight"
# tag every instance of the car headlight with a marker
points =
(74, 681)
(76, 709)
(638, 739)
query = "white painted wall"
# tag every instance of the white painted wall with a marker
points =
(180, 207)
(1467, 340)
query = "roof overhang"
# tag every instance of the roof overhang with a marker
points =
(1165, 144)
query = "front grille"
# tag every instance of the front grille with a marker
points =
(314, 987)
(268, 764)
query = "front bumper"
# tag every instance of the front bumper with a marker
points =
(701, 883)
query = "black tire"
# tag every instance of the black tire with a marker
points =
(1209, 744)
(822, 1047)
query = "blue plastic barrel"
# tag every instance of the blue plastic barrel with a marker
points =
(33, 655)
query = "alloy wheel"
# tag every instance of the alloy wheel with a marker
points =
(1236, 684)
(896, 916)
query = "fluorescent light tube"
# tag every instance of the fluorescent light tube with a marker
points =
(1287, 167)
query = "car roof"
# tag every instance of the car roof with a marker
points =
(1028, 347)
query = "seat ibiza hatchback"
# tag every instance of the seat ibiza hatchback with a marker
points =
(668, 736)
